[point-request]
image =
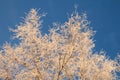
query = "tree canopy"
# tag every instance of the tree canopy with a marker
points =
(66, 52)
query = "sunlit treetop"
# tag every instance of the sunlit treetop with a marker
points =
(65, 52)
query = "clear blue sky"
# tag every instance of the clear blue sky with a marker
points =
(103, 14)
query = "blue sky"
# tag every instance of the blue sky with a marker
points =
(104, 16)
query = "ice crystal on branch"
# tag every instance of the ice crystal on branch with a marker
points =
(66, 52)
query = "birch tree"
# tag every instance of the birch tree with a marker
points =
(66, 52)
